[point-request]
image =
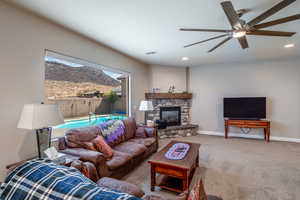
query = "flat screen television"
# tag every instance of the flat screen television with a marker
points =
(245, 108)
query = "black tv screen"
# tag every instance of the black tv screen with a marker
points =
(245, 108)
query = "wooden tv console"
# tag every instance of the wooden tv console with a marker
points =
(265, 124)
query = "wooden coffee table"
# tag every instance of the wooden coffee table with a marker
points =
(175, 175)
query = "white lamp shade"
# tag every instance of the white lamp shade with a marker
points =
(37, 116)
(146, 106)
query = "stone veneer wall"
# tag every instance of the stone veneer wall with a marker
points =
(185, 105)
(186, 129)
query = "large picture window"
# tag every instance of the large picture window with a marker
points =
(87, 93)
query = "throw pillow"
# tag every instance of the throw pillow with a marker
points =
(113, 132)
(149, 131)
(197, 192)
(101, 146)
(140, 132)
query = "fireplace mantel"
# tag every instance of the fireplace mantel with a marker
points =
(168, 95)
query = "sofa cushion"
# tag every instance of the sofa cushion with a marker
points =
(144, 141)
(101, 146)
(120, 186)
(132, 148)
(77, 138)
(113, 132)
(130, 128)
(119, 159)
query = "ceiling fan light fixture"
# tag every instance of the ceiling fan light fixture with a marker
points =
(240, 28)
(238, 34)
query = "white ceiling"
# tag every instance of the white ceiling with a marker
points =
(135, 27)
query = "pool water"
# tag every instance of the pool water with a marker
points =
(86, 122)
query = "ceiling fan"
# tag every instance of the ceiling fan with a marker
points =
(240, 28)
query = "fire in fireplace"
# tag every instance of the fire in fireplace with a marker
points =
(172, 115)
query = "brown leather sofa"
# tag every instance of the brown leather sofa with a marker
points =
(127, 154)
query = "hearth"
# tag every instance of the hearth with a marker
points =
(172, 115)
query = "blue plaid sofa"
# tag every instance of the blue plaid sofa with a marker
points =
(42, 179)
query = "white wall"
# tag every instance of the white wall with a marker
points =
(279, 81)
(164, 76)
(23, 40)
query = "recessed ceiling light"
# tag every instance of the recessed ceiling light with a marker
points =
(289, 45)
(151, 52)
(185, 58)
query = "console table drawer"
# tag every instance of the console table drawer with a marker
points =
(237, 123)
(257, 123)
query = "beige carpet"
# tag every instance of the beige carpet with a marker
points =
(239, 169)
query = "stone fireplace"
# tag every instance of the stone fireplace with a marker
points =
(175, 108)
(172, 115)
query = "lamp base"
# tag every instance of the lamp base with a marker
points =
(43, 138)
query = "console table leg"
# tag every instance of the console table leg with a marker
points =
(226, 131)
(185, 182)
(265, 134)
(269, 133)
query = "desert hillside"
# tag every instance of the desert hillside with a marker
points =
(63, 81)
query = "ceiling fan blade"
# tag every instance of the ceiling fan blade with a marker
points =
(278, 21)
(270, 12)
(206, 30)
(206, 40)
(221, 43)
(243, 42)
(231, 13)
(271, 33)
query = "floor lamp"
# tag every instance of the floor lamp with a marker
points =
(146, 106)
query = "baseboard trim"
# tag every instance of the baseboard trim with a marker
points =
(272, 138)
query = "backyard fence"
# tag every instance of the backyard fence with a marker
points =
(78, 107)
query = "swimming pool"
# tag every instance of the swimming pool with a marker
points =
(86, 122)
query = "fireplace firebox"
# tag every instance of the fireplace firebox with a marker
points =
(172, 115)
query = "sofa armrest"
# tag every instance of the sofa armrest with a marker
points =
(86, 168)
(153, 134)
(94, 157)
